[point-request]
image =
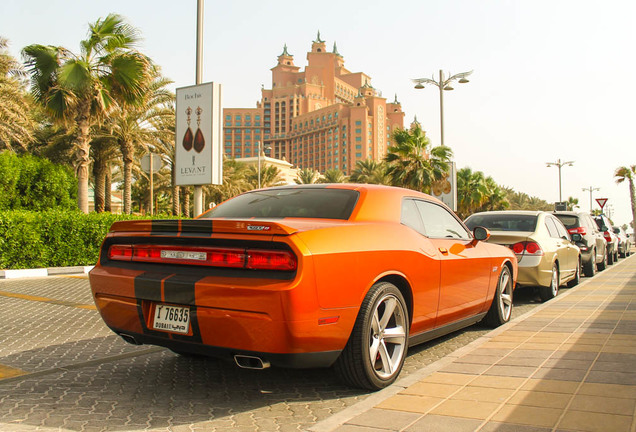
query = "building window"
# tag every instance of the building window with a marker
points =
(358, 123)
(358, 139)
(358, 131)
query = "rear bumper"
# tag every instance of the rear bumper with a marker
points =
(287, 360)
(533, 272)
(278, 321)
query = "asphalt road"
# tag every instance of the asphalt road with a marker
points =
(61, 368)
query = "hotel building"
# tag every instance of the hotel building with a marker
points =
(324, 117)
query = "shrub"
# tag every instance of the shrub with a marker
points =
(31, 183)
(54, 238)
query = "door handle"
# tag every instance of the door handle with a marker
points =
(443, 251)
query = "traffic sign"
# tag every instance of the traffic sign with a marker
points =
(601, 202)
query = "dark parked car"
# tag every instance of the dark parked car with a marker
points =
(624, 242)
(605, 226)
(592, 243)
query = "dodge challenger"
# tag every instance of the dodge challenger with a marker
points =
(339, 275)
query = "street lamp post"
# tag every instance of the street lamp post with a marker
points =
(591, 189)
(560, 164)
(442, 84)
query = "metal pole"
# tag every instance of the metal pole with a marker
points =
(198, 190)
(441, 104)
(258, 144)
(151, 187)
(560, 199)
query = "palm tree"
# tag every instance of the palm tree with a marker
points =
(472, 191)
(333, 176)
(413, 163)
(495, 197)
(81, 89)
(133, 127)
(234, 182)
(104, 152)
(270, 176)
(370, 171)
(16, 122)
(572, 203)
(628, 173)
(307, 176)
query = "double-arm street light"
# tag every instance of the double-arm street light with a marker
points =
(560, 164)
(591, 189)
(442, 84)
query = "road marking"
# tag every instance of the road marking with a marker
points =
(47, 300)
(9, 372)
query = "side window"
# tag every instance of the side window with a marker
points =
(439, 222)
(411, 216)
(561, 229)
(551, 226)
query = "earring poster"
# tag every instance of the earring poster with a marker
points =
(198, 134)
(446, 188)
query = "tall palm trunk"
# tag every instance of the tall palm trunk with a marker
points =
(83, 156)
(176, 211)
(99, 174)
(127, 154)
(186, 202)
(108, 181)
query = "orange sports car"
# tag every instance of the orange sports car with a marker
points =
(338, 275)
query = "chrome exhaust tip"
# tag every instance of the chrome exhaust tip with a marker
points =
(130, 339)
(250, 362)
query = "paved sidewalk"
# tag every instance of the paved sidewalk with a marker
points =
(569, 365)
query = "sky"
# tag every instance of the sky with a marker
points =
(553, 79)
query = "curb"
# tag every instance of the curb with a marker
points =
(42, 272)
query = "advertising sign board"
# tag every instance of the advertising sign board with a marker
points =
(446, 189)
(198, 134)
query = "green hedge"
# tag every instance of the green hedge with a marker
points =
(54, 238)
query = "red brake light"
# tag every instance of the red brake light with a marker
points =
(206, 256)
(533, 248)
(270, 260)
(608, 236)
(518, 248)
(530, 248)
(120, 252)
(578, 230)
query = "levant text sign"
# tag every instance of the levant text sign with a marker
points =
(198, 132)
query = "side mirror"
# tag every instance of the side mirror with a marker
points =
(576, 237)
(604, 228)
(481, 234)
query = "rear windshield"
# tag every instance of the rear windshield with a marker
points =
(281, 203)
(503, 222)
(568, 221)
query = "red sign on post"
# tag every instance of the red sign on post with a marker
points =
(601, 202)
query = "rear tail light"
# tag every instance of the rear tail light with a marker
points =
(254, 259)
(608, 236)
(578, 230)
(527, 248)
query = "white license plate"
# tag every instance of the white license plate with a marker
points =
(171, 318)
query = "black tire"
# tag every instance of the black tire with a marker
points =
(501, 307)
(577, 276)
(589, 267)
(603, 264)
(610, 258)
(616, 256)
(355, 366)
(550, 292)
